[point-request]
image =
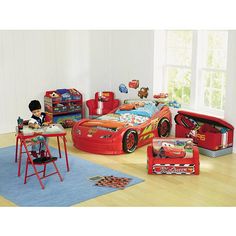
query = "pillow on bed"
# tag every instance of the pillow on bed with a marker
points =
(147, 110)
(127, 107)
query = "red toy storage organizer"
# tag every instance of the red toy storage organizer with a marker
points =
(64, 106)
(173, 165)
(207, 132)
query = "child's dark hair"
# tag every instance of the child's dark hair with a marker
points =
(34, 105)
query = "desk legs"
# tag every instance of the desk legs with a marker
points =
(67, 163)
(59, 147)
(20, 157)
(16, 153)
(65, 148)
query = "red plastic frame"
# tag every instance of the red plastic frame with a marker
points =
(89, 138)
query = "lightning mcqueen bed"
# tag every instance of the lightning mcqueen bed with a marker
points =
(124, 129)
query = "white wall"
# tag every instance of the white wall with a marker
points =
(230, 111)
(120, 56)
(32, 62)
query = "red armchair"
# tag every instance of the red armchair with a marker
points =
(102, 104)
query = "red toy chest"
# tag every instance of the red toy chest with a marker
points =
(207, 132)
(157, 165)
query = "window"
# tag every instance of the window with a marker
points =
(193, 67)
(213, 70)
(178, 68)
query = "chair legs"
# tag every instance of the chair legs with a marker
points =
(30, 161)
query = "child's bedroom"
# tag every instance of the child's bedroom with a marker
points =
(117, 117)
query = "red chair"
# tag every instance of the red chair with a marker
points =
(102, 104)
(43, 161)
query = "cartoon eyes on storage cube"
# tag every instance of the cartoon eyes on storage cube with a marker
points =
(164, 144)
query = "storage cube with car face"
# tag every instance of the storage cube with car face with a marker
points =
(173, 156)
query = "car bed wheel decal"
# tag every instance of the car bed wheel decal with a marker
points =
(130, 141)
(164, 128)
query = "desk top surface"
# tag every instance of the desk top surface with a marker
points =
(52, 130)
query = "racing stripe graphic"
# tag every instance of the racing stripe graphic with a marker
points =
(147, 129)
(147, 136)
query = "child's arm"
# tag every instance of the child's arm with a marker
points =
(34, 125)
(46, 123)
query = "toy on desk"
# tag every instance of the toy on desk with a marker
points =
(37, 126)
(20, 123)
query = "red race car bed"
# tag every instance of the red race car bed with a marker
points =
(131, 125)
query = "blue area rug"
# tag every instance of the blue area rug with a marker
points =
(76, 186)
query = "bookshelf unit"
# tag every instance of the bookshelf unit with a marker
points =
(64, 106)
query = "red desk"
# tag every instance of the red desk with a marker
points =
(55, 130)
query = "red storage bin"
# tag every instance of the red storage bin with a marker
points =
(53, 95)
(208, 132)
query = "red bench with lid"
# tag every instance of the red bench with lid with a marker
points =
(208, 132)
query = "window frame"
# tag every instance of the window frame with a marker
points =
(161, 84)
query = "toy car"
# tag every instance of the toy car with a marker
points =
(123, 88)
(174, 104)
(67, 123)
(48, 108)
(187, 122)
(171, 151)
(143, 92)
(161, 95)
(134, 84)
(65, 96)
(122, 131)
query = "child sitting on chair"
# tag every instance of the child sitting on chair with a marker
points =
(37, 120)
